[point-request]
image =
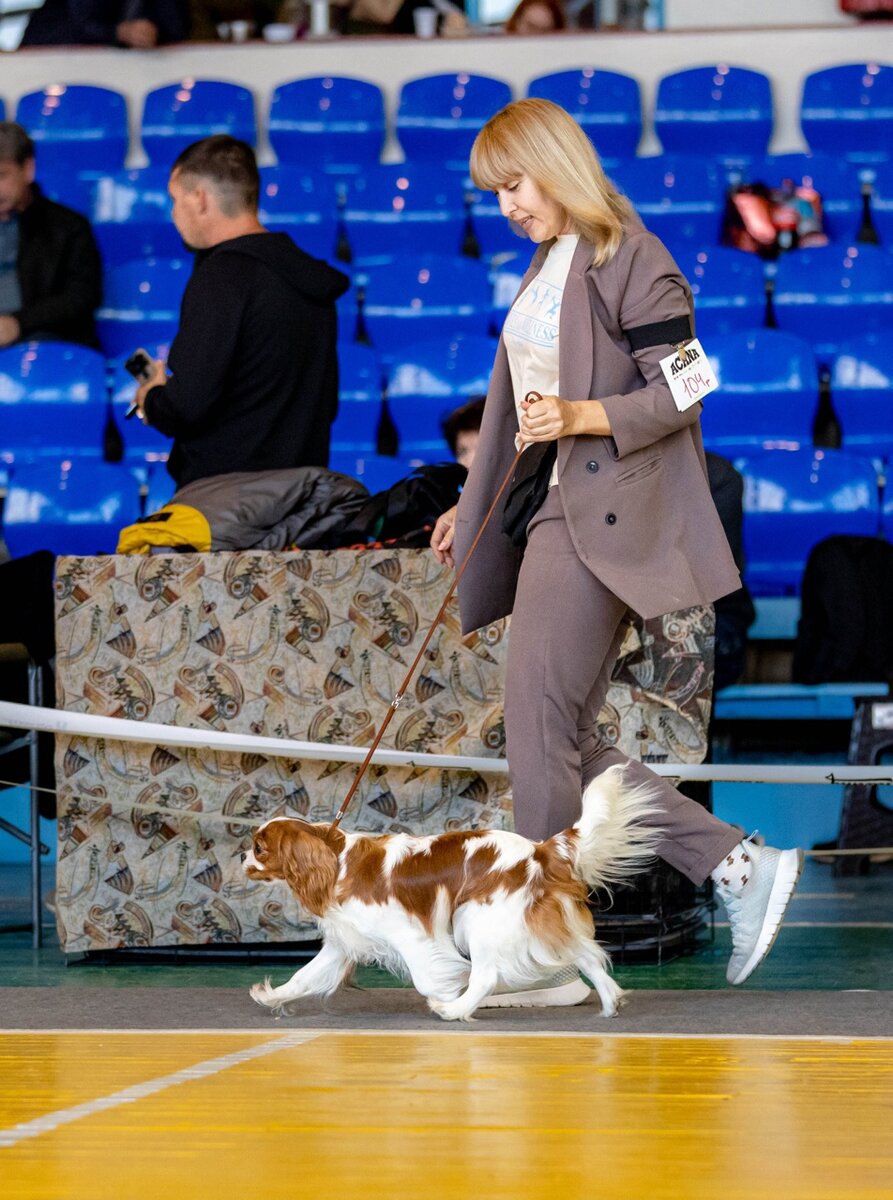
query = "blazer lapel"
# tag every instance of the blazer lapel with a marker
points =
(575, 343)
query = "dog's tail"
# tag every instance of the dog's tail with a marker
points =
(613, 841)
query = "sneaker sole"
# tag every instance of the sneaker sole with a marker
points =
(553, 997)
(790, 866)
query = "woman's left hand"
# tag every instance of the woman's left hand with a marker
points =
(546, 419)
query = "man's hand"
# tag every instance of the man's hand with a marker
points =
(10, 330)
(139, 35)
(157, 378)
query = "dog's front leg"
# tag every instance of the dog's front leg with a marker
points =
(320, 977)
(481, 982)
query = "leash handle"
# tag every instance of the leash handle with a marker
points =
(395, 703)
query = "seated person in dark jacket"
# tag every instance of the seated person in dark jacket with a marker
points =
(50, 270)
(140, 24)
(254, 366)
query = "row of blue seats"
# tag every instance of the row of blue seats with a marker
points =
(389, 207)
(55, 397)
(726, 110)
(792, 499)
(826, 296)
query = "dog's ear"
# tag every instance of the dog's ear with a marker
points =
(310, 868)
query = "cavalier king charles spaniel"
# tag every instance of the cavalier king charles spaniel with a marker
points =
(461, 913)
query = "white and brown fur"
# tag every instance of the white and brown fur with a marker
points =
(459, 913)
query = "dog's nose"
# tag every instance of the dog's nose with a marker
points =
(243, 855)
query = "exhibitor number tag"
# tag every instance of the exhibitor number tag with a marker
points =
(688, 372)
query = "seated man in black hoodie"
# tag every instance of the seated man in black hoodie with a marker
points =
(253, 380)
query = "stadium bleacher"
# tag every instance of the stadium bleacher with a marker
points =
(330, 191)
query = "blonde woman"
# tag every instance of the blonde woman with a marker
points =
(626, 523)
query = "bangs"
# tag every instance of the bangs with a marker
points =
(491, 166)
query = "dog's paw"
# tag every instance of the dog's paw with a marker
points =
(449, 1010)
(262, 993)
(612, 1007)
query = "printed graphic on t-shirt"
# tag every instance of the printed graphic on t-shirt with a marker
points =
(534, 317)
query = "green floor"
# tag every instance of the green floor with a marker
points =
(839, 935)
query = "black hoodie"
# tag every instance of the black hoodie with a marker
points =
(254, 368)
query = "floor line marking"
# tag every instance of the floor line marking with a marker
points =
(453, 1031)
(139, 1091)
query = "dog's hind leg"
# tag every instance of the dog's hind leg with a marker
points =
(320, 977)
(595, 965)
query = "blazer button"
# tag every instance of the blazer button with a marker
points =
(592, 466)
(610, 518)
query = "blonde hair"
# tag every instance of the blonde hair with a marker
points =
(539, 139)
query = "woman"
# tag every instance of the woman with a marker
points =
(627, 523)
(535, 17)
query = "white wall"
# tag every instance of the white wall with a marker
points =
(707, 14)
(786, 55)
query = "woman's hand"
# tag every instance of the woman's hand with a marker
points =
(550, 417)
(546, 419)
(442, 537)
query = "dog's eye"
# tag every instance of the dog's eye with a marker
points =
(258, 849)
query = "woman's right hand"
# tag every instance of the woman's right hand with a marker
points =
(442, 537)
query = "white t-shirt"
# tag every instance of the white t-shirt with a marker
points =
(530, 331)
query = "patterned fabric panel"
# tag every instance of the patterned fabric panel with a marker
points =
(306, 645)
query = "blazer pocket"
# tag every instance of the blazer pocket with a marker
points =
(641, 471)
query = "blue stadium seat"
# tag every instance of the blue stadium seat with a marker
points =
(181, 113)
(847, 111)
(53, 400)
(76, 506)
(720, 110)
(427, 381)
(768, 391)
(130, 214)
(142, 443)
(607, 105)
(676, 197)
(327, 122)
(359, 400)
(834, 293)
(141, 304)
(412, 300)
(301, 204)
(793, 499)
(76, 127)
(729, 290)
(375, 471)
(493, 233)
(836, 181)
(862, 394)
(65, 187)
(439, 116)
(505, 280)
(399, 207)
(882, 202)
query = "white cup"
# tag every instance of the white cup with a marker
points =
(240, 30)
(425, 21)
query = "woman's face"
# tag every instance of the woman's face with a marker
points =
(541, 218)
(536, 18)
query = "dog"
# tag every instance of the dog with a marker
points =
(459, 913)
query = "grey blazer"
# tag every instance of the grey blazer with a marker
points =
(637, 503)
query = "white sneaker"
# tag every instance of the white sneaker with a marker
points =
(756, 909)
(563, 988)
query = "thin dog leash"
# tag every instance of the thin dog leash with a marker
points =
(531, 397)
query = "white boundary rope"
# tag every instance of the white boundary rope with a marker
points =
(53, 720)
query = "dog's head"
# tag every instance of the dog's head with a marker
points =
(298, 853)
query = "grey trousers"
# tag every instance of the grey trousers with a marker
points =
(565, 636)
